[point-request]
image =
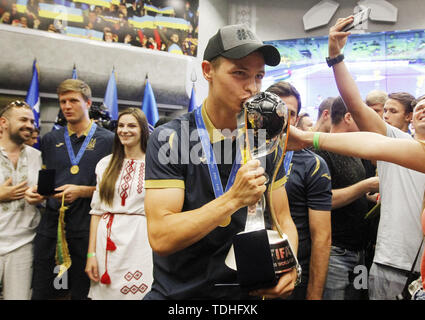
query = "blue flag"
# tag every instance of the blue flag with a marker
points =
(33, 98)
(192, 102)
(74, 73)
(111, 97)
(149, 106)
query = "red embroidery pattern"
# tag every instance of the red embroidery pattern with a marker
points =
(143, 288)
(141, 178)
(133, 288)
(137, 275)
(126, 180)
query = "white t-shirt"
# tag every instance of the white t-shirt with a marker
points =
(18, 219)
(399, 232)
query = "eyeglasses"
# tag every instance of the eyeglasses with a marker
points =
(14, 104)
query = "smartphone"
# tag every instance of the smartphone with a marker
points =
(46, 182)
(359, 18)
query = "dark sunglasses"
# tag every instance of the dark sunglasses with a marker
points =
(14, 104)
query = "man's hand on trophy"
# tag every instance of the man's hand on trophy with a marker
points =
(338, 38)
(249, 184)
(283, 289)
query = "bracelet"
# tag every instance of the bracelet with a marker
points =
(333, 61)
(91, 254)
(316, 140)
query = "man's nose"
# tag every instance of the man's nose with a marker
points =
(253, 87)
(30, 125)
(66, 104)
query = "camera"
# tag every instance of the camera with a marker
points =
(100, 114)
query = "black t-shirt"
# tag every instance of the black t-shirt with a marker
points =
(349, 228)
(308, 187)
(55, 156)
(174, 159)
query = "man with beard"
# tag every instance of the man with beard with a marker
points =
(19, 166)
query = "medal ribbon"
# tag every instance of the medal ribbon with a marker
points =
(287, 161)
(211, 161)
(76, 159)
(62, 256)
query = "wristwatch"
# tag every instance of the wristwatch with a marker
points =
(333, 61)
(299, 272)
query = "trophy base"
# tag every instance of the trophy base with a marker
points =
(253, 260)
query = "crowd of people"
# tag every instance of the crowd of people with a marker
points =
(112, 23)
(135, 215)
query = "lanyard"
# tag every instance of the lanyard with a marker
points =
(76, 159)
(287, 161)
(211, 161)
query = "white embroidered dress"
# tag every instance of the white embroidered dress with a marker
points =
(130, 265)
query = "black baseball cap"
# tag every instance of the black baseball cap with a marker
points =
(238, 41)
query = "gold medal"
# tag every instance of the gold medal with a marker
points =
(74, 169)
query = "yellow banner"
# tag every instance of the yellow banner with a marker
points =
(102, 3)
(60, 16)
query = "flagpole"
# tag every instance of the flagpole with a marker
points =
(149, 106)
(111, 96)
(192, 101)
(74, 72)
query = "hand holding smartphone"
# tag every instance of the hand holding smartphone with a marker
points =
(359, 18)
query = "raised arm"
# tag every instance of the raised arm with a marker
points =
(366, 145)
(366, 118)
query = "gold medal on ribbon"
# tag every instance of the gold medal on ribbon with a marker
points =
(74, 169)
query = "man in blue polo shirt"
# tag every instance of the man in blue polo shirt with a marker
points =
(191, 224)
(73, 151)
(309, 192)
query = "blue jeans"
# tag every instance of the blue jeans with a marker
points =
(339, 281)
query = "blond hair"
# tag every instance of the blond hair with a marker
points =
(375, 97)
(75, 85)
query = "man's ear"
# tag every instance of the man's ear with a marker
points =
(348, 118)
(3, 122)
(207, 69)
(409, 117)
(297, 121)
(88, 102)
(325, 114)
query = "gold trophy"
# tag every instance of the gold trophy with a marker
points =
(260, 256)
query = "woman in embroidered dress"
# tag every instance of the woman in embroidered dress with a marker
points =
(119, 259)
